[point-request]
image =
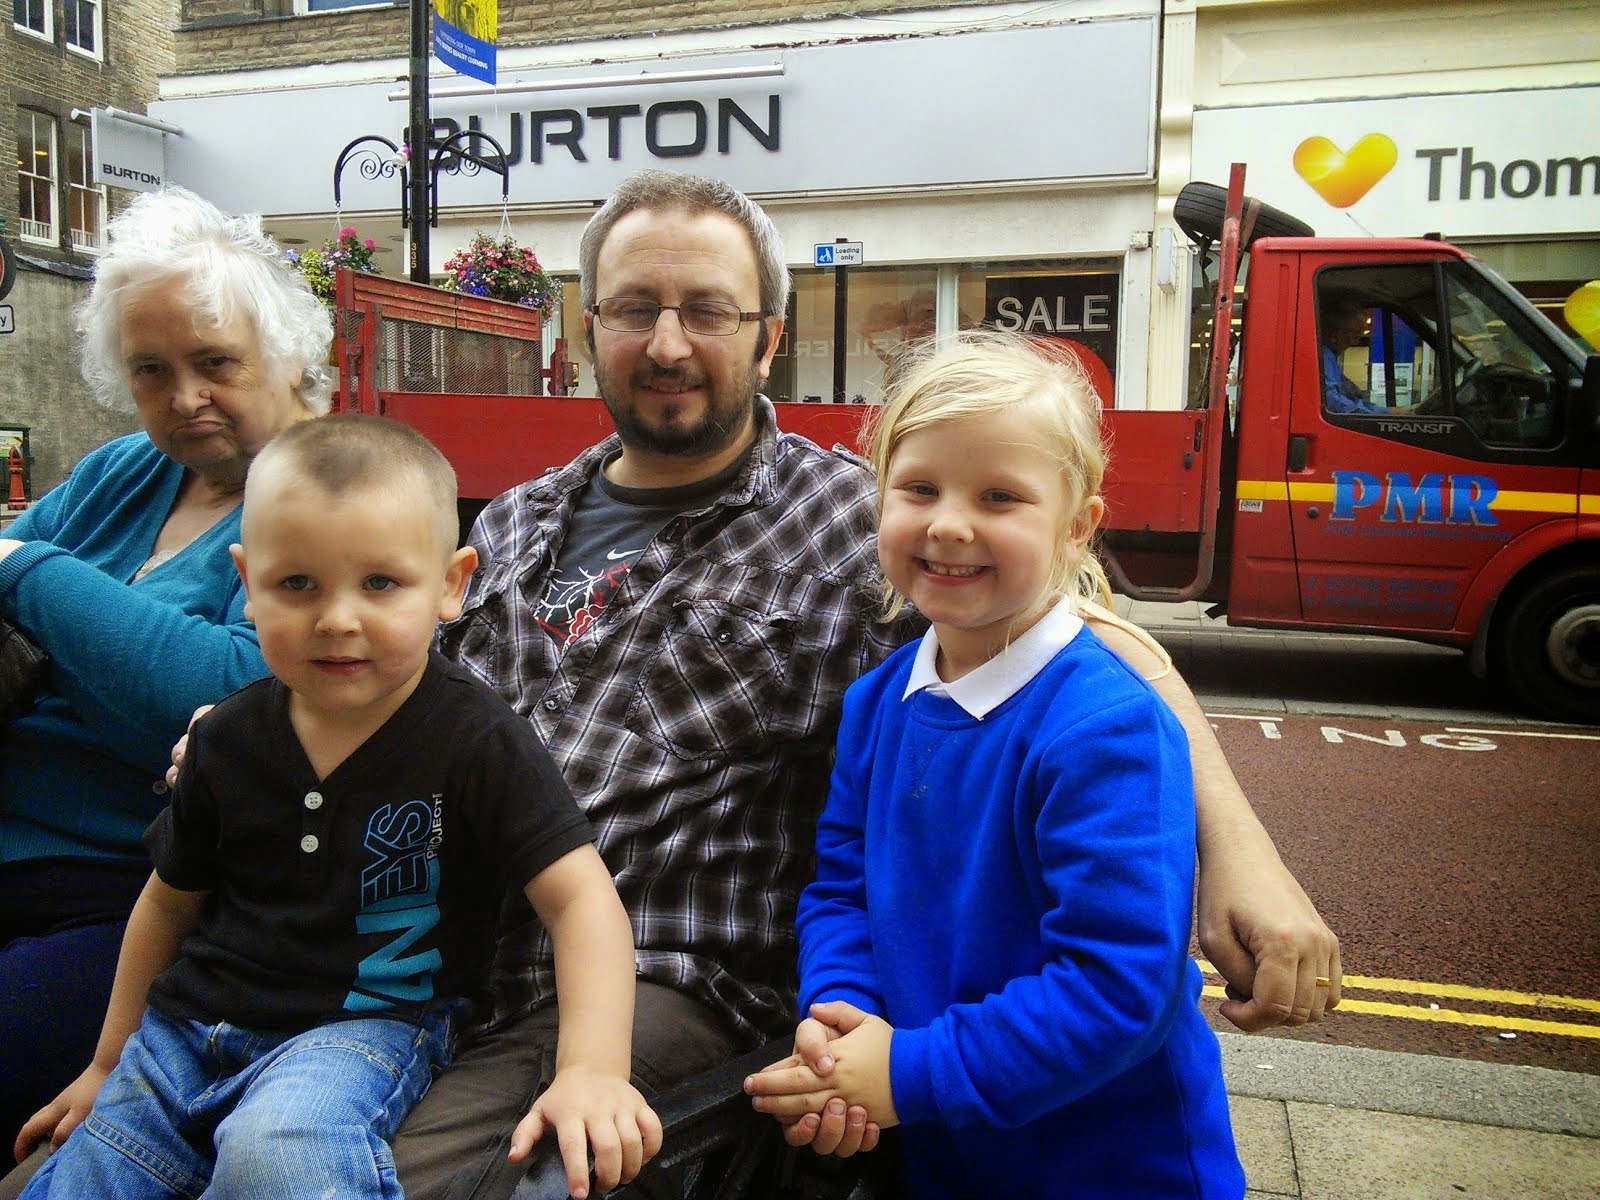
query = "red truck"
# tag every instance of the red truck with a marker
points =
(1431, 472)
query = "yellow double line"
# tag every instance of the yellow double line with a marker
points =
(1453, 1016)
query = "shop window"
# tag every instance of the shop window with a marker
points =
(36, 177)
(1073, 305)
(33, 16)
(1551, 298)
(86, 201)
(81, 22)
(885, 308)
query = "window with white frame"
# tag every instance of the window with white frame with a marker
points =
(86, 201)
(36, 176)
(82, 23)
(33, 16)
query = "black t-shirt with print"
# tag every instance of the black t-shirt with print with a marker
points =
(374, 891)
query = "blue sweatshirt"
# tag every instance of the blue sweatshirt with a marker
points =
(132, 659)
(1013, 895)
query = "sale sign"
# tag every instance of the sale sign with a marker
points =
(1077, 312)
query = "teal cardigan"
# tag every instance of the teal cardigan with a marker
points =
(82, 775)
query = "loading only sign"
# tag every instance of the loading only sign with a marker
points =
(839, 254)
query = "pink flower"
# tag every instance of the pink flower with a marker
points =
(370, 244)
(347, 231)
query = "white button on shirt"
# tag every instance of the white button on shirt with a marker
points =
(984, 689)
(309, 843)
(313, 800)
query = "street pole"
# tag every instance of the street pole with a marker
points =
(421, 130)
(841, 310)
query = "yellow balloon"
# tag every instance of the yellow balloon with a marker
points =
(1582, 312)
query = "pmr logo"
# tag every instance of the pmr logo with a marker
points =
(1341, 177)
(1435, 499)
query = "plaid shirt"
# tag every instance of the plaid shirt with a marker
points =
(694, 721)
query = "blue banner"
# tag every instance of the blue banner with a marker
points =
(464, 36)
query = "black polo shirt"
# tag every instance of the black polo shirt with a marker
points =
(374, 891)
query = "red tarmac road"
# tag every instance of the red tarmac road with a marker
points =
(1461, 853)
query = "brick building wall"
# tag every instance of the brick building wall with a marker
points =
(49, 77)
(41, 389)
(223, 35)
(39, 383)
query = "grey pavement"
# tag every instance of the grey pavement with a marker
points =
(1335, 674)
(1322, 1122)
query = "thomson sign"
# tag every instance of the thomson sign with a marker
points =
(1493, 164)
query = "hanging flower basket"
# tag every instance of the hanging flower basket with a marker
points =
(348, 249)
(501, 270)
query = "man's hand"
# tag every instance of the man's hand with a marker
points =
(181, 746)
(62, 1115)
(791, 1088)
(592, 1111)
(1263, 935)
(1257, 926)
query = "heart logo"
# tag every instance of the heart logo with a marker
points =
(1340, 178)
(1582, 311)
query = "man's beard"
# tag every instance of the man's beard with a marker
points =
(721, 424)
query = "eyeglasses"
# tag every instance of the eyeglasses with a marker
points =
(713, 318)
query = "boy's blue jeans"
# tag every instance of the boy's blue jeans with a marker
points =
(195, 1110)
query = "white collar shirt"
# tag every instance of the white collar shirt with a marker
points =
(983, 689)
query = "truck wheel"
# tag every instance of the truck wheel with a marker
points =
(1200, 207)
(1550, 650)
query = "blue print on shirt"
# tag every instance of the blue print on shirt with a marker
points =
(399, 896)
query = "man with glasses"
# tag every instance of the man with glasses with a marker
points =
(678, 611)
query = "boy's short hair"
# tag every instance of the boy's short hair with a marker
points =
(353, 451)
(982, 372)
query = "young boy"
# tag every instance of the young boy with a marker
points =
(329, 874)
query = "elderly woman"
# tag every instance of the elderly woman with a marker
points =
(122, 575)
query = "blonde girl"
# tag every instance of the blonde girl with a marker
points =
(999, 925)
